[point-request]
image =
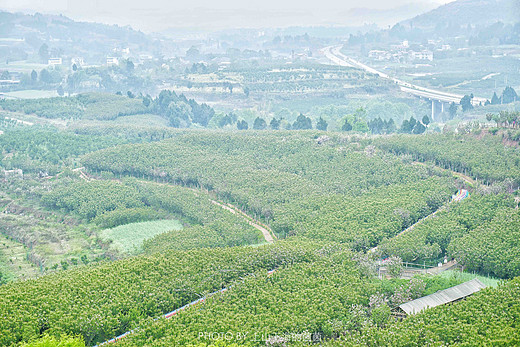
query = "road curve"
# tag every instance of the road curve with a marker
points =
(333, 53)
(254, 223)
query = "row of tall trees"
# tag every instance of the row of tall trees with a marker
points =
(302, 122)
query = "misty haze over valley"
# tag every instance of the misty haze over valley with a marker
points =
(282, 173)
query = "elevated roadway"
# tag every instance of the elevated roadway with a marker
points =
(333, 53)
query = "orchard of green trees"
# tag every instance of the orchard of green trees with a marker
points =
(329, 197)
(102, 301)
(485, 158)
(111, 203)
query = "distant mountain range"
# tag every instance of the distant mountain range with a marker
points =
(464, 12)
(384, 17)
(22, 35)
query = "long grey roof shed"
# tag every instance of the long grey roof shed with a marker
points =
(443, 297)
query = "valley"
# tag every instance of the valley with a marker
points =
(332, 184)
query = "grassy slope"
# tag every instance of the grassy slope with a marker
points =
(13, 260)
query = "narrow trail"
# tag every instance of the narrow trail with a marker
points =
(79, 170)
(461, 195)
(178, 310)
(256, 224)
(267, 232)
(264, 229)
(82, 175)
(460, 175)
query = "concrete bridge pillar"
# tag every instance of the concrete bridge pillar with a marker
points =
(438, 107)
(433, 111)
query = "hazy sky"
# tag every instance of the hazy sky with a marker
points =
(156, 15)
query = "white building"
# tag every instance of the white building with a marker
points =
(422, 55)
(78, 61)
(223, 65)
(145, 57)
(16, 173)
(379, 55)
(124, 52)
(55, 61)
(111, 61)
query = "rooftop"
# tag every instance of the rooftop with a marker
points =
(443, 297)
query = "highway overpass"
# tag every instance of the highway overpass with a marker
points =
(333, 53)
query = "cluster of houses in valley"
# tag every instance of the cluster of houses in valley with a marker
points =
(111, 60)
(405, 52)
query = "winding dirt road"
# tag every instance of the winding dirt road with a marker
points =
(264, 229)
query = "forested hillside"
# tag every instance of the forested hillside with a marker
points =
(81, 302)
(484, 158)
(302, 164)
(332, 183)
(328, 205)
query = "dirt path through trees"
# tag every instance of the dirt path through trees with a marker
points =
(461, 195)
(264, 229)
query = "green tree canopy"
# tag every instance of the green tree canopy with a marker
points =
(43, 52)
(275, 123)
(419, 128)
(509, 95)
(302, 123)
(242, 125)
(322, 124)
(453, 110)
(45, 76)
(346, 126)
(408, 125)
(465, 102)
(259, 124)
(494, 99)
